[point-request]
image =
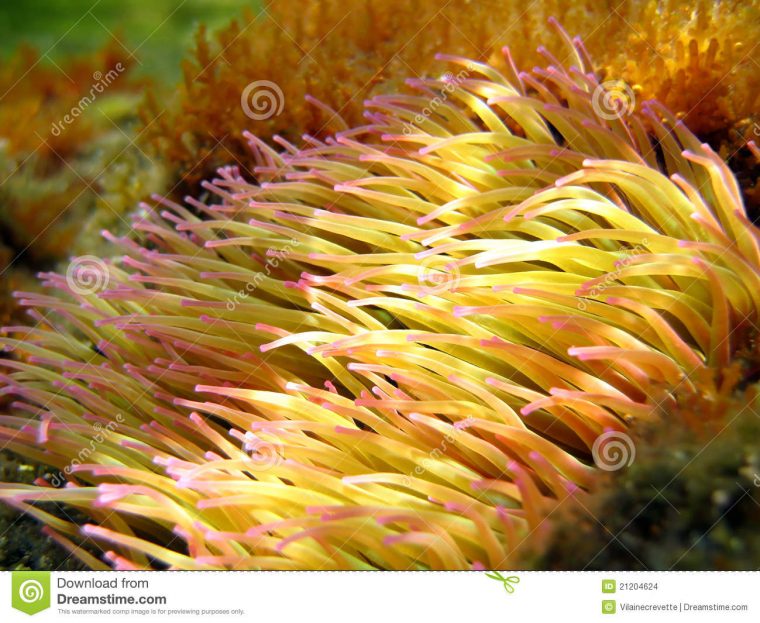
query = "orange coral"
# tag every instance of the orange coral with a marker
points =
(64, 133)
(49, 157)
(697, 58)
(35, 95)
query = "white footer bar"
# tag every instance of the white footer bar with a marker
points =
(383, 597)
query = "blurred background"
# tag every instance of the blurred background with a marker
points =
(158, 32)
(61, 183)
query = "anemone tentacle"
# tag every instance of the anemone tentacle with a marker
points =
(397, 347)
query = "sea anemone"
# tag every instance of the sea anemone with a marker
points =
(398, 347)
(697, 58)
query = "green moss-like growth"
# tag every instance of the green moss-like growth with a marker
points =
(690, 501)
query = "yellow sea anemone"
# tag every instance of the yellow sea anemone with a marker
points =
(400, 347)
(699, 58)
